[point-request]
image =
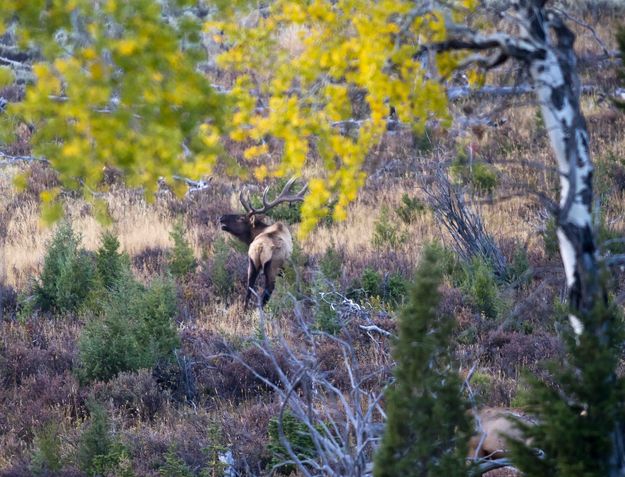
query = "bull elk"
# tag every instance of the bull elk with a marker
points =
(270, 245)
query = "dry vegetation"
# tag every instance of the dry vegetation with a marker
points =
(205, 400)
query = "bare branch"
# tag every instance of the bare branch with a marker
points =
(587, 26)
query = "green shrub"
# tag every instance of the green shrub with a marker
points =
(46, 457)
(395, 289)
(67, 276)
(550, 239)
(390, 289)
(519, 266)
(579, 405)
(386, 233)
(422, 141)
(134, 331)
(111, 268)
(522, 397)
(331, 264)
(325, 316)
(326, 319)
(95, 440)
(289, 283)
(281, 299)
(221, 277)
(116, 462)
(469, 335)
(481, 384)
(299, 438)
(155, 311)
(480, 285)
(483, 178)
(181, 259)
(371, 282)
(174, 466)
(110, 264)
(410, 209)
(215, 467)
(448, 261)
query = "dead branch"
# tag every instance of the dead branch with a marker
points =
(342, 421)
(465, 227)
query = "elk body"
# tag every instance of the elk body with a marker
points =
(496, 426)
(270, 245)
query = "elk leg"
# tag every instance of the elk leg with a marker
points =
(270, 282)
(252, 274)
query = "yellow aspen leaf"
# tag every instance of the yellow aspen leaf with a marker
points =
(20, 181)
(49, 195)
(51, 212)
(261, 172)
(6, 76)
(255, 151)
(476, 78)
(97, 71)
(126, 46)
(89, 54)
(111, 6)
(71, 149)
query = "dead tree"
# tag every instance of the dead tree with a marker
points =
(343, 420)
(465, 226)
(543, 44)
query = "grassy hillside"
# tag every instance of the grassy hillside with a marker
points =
(176, 416)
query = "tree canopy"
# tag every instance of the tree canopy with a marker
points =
(122, 84)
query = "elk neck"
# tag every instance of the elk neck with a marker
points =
(255, 230)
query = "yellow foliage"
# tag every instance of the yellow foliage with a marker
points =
(344, 46)
(127, 47)
(299, 72)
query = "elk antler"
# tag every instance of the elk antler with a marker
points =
(283, 197)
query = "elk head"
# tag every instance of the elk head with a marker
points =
(247, 226)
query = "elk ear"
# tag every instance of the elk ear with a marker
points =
(252, 218)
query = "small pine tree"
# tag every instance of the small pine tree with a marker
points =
(136, 330)
(480, 284)
(299, 438)
(157, 331)
(95, 440)
(67, 276)
(427, 428)
(220, 276)
(577, 416)
(174, 466)
(46, 458)
(110, 264)
(181, 260)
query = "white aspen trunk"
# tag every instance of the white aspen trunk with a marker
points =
(553, 69)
